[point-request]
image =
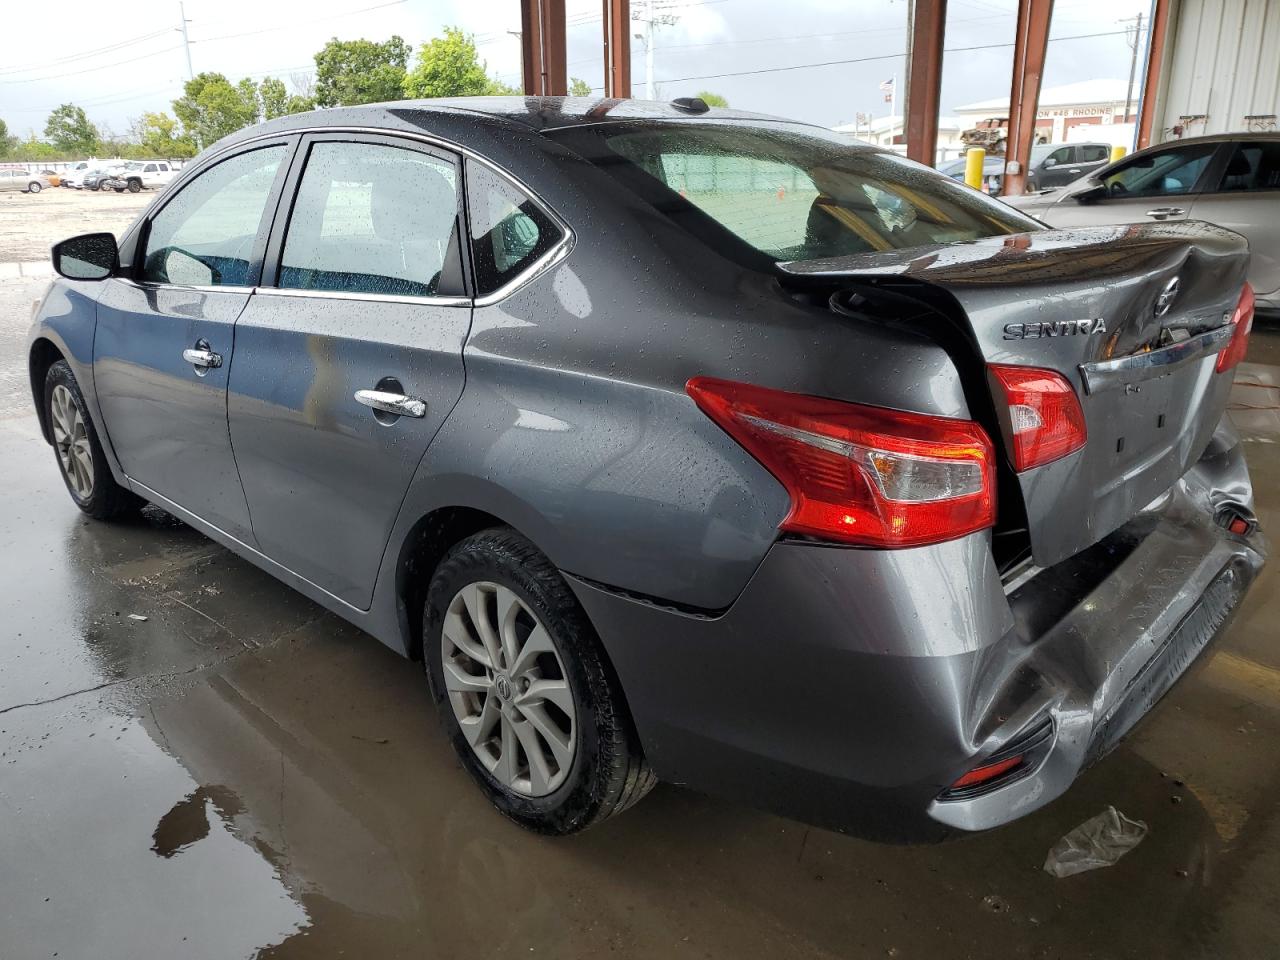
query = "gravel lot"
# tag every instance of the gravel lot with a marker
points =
(31, 223)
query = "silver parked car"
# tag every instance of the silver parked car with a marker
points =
(1232, 180)
(20, 179)
(681, 443)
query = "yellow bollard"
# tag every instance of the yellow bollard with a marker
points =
(1117, 153)
(973, 162)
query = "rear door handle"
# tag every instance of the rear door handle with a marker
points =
(1163, 213)
(396, 404)
(202, 357)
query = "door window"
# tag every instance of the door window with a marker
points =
(205, 236)
(149, 168)
(1093, 153)
(370, 218)
(1060, 157)
(1164, 173)
(509, 231)
(1253, 166)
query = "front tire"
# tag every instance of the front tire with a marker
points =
(33, 186)
(134, 186)
(523, 690)
(79, 452)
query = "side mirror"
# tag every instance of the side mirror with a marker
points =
(1050, 163)
(90, 256)
(1092, 195)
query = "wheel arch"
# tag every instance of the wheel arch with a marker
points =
(43, 354)
(421, 551)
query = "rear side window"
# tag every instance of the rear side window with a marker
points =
(509, 231)
(1253, 166)
(370, 218)
(205, 236)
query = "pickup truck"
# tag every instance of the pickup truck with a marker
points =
(136, 175)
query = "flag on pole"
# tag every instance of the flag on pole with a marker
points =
(887, 89)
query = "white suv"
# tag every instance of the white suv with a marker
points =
(137, 174)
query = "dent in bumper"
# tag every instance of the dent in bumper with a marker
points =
(850, 687)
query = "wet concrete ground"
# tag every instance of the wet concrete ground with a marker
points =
(241, 774)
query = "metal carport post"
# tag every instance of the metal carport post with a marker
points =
(1029, 46)
(928, 23)
(542, 48)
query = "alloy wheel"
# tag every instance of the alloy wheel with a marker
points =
(508, 689)
(71, 439)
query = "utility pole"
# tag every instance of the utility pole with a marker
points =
(186, 43)
(1135, 41)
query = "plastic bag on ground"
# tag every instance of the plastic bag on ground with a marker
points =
(1098, 842)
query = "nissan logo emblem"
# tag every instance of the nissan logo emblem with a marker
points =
(1167, 296)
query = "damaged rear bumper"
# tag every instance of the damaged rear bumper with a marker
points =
(851, 688)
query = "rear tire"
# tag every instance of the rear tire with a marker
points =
(79, 453)
(510, 653)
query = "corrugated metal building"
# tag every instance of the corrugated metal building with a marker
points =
(1221, 69)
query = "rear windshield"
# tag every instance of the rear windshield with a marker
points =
(790, 194)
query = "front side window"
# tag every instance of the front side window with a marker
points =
(1041, 155)
(149, 168)
(1093, 153)
(370, 218)
(1253, 166)
(1165, 173)
(205, 236)
(509, 231)
(791, 194)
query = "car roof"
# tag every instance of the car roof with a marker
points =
(492, 115)
(1219, 138)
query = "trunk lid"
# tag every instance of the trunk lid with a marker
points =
(1132, 316)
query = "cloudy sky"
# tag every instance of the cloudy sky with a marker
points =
(815, 60)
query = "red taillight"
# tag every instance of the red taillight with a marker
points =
(859, 474)
(1044, 414)
(987, 772)
(1242, 320)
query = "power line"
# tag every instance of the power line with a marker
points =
(294, 25)
(85, 54)
(886, 56)
(105, 66)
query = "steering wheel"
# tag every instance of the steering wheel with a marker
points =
(1116, 188)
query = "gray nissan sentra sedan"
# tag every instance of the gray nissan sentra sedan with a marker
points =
(682, 443)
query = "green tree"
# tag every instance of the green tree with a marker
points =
(275, 100)
(497, 88)
(158, 137)
(273, 96)
(713, 99)
(360, 71)
(70, 131)
(210, 107)
(7, 140)
(448, 66)
(579, 87)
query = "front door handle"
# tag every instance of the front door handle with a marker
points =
(1163, 213)
(202, 357)
(396, 404)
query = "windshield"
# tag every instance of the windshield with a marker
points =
(788, 193)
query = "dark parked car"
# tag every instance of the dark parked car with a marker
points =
(1053, 164)
(681, 444)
